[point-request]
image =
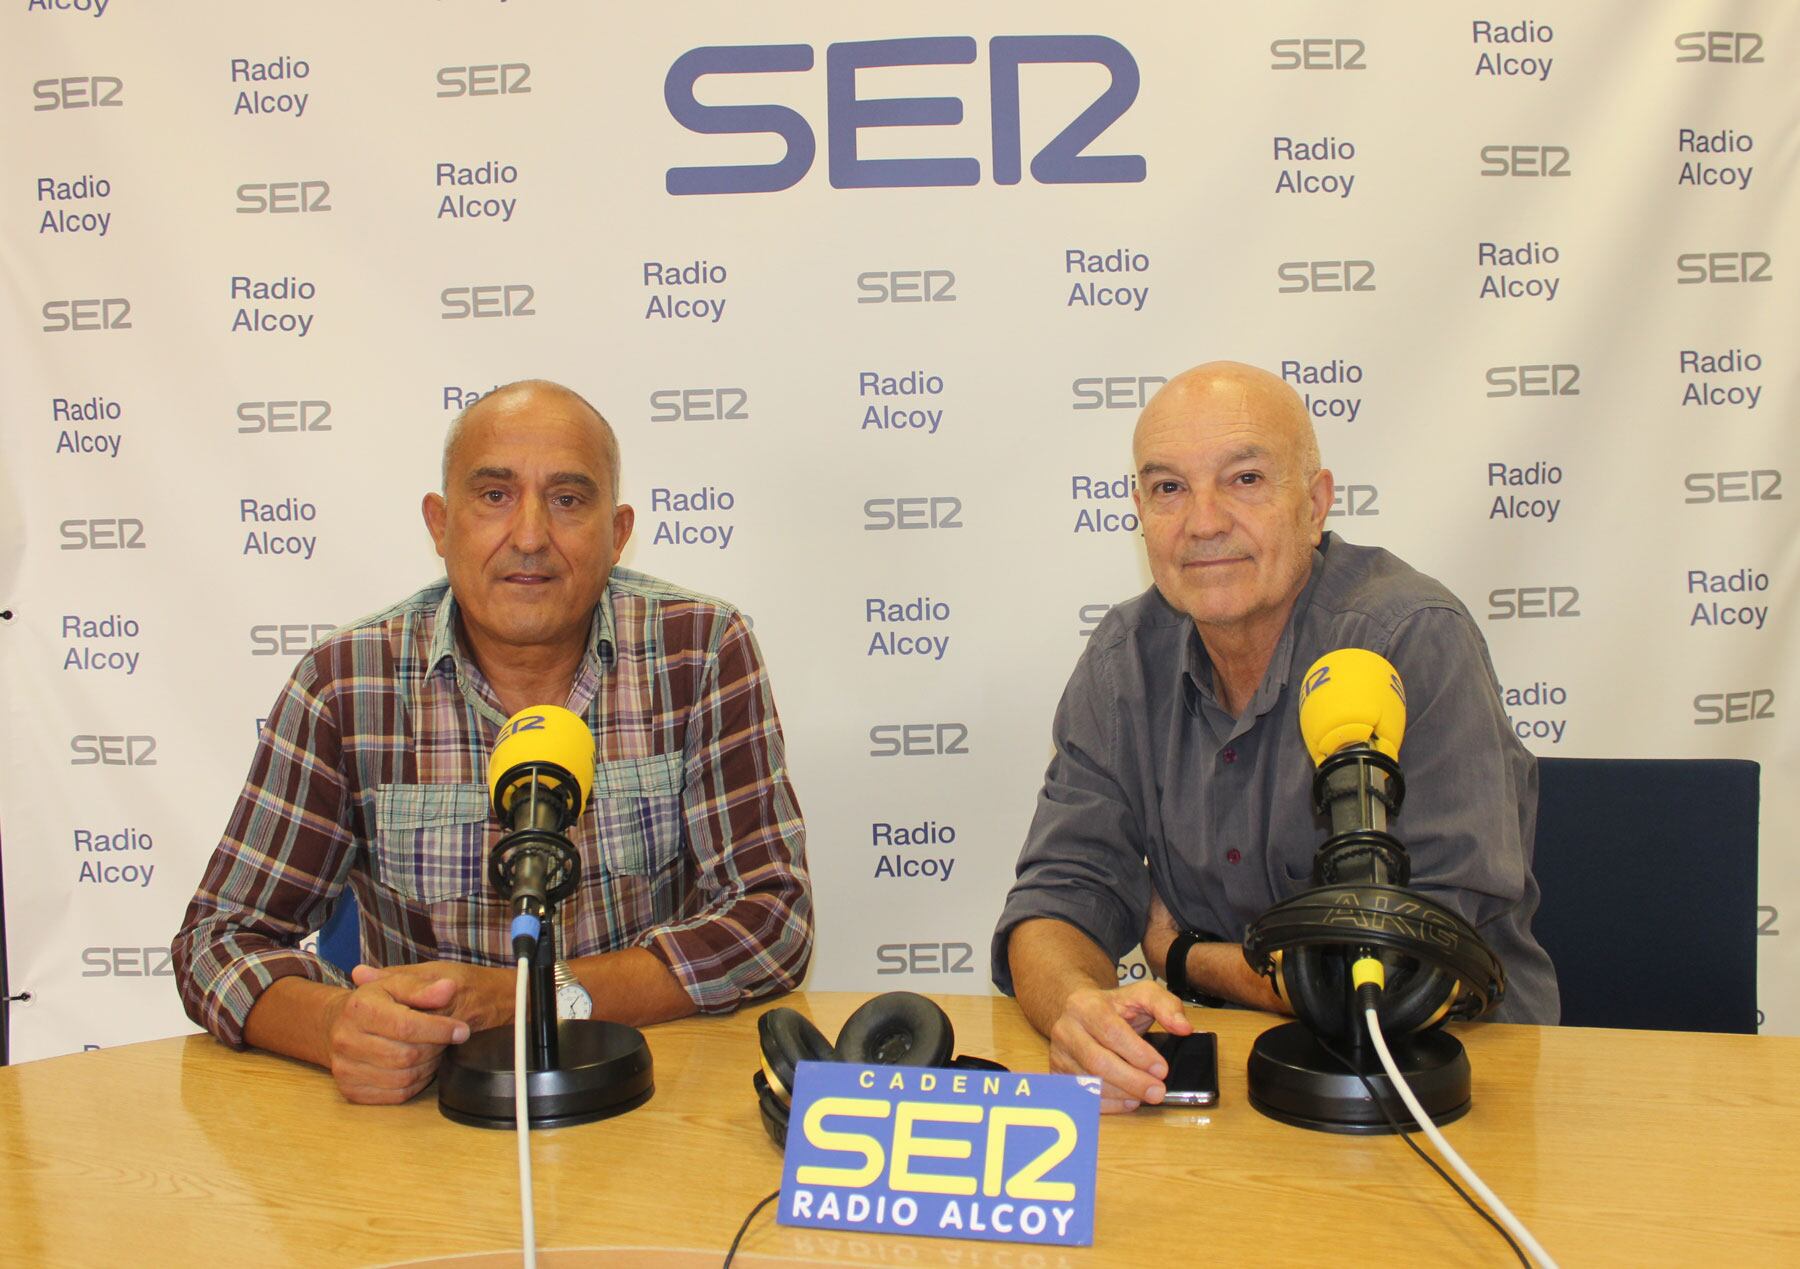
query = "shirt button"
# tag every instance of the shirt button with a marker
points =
(1230, 755)
(1232, 856)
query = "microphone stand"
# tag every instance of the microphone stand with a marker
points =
(577, 1071)
(1301, 1078)
(541, 1049)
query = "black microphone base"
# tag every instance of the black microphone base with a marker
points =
(1293, 1079)
(603, 1070)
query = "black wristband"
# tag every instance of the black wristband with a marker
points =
(1175, 969)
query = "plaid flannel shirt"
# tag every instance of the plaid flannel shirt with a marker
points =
(371, 773)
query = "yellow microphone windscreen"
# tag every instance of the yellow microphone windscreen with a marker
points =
(1348, 696)
(544, 733)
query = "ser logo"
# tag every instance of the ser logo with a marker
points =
(918, 740)
(126, 962)
(78, 92)
(1741, 47)
(500, 299)
(1712, 709)
(112, 751)
(1525, 160)
(1541, 380)
(699, 405)
(1088, 618)
(113, 313)
(283, 198)
(1315, 53)
(1698, 268)
(111, 533)
(1762, 485)
(283, 416)
(1528, 602)
(924, 958)
(881, 514)
(496, 79)
(286, 639)
(1354, 500)
(1061, 162)
(1323, 276)
(1115, 392)
(906, 286)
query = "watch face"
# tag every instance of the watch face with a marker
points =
(573, 1002)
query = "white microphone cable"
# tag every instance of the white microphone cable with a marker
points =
(522, 1113)
(1437, 1139)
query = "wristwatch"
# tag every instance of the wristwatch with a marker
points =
(1175, 969)
(573, 1003)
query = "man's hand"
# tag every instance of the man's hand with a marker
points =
(383, 1039)
(481, 996)
(1101, 1032)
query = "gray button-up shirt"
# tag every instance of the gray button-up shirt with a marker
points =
(1150, 768)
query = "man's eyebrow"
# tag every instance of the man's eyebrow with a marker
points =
(1154, 468)
(580, 480)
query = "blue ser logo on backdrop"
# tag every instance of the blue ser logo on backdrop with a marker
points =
(1061, 162)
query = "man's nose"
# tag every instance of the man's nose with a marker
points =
(531, 526)
(1207, 516)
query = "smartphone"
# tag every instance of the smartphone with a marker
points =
(1193, 1067)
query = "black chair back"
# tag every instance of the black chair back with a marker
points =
(1648, 874)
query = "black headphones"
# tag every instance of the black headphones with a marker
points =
(1438, 968)
(898, 1028)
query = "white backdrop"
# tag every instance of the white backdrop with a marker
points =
(241, 299)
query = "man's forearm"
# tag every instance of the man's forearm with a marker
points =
(632, 986)
(1050, 959)
(292, 1018)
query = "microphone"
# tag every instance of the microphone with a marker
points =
(1359, 932)
(1352, 720)
(539, 777)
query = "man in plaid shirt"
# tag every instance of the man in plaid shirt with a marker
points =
(370, 774)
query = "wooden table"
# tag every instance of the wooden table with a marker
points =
(1615, 1147)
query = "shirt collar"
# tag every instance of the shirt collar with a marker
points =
(601, 648)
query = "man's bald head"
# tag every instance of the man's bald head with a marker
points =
(1239, 388)
(521, 393)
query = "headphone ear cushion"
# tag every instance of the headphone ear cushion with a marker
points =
(1318, 987)
(788, 1038)
(1423, 996)
(774, 1111)
(897, 1028)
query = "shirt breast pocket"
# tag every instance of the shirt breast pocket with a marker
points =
(637, 814)
(431, 840)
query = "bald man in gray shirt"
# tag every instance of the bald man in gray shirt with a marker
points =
(1179, 796)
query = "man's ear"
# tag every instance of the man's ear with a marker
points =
(1323, 487)
(436, 515)
(623, 520)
